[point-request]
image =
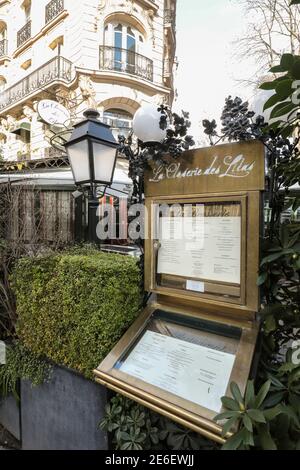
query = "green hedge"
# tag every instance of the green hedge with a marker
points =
(73, 307)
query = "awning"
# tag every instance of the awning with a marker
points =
(121, 187)
(22, 126)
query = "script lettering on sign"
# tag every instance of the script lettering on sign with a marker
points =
(227, 167)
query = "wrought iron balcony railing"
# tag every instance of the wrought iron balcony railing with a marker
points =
(169, 18)
(53, 9)
(57, 69)
(24, 34)
(123, 60)
(3, 47)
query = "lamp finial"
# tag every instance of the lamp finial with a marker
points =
(91, 114)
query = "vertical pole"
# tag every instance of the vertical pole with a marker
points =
(93, 204)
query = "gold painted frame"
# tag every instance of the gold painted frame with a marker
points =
(180, 410)
(248, 298)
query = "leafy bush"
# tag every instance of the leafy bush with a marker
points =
(134, 427)
(74, 306)
(21, 364)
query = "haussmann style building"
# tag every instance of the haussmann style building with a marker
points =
(113, 55)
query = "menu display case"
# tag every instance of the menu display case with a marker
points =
(198, 333)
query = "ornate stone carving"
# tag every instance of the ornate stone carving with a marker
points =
(149, 17)
(127, 5)
(100, 10)
(159, 99)
(8, 123)
(28, 112)
(87, 91)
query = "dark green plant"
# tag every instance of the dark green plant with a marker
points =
(134, 427)
(21, 364)
(141, 155)
(74, 306)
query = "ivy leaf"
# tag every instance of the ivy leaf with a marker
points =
(262, 394)
(230, 404)
(247, 423)
(287, 61)
(284, 88)
(227, 415)
(274, 99)
(277, 69)
(234, 442)
(262, 278)
(272, 400)
(282, 108)
(296, 70)
(272, 413)
(237, 394)
(265, 438)
(229, 425)
(270, 324)
(249, 395)
(257, 416)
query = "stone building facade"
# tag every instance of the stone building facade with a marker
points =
(113, 55)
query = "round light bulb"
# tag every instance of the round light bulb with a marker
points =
(258, 102)
(146, 124)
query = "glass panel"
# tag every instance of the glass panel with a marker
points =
(118, 49)
(188, 357)
(104, 161)
(119, 120)
(79, 160)
(198, 247)
(131, 44)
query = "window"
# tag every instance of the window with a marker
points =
(3, 31)
(119, 120)
(27, 10)
(126, 41)
(2, 84)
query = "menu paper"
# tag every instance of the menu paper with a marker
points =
(201, 248)
(190, 371)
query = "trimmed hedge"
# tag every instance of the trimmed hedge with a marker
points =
(73, 307)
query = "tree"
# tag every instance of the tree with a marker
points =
(274, 28)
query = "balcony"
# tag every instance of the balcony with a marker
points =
(124, 61)
(3, 48)
(53, 9)
(56, 70)
(24, 34)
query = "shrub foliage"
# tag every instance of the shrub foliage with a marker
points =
(74, 306)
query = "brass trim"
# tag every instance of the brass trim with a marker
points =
(203, 432)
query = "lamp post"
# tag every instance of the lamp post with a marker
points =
(92, 151)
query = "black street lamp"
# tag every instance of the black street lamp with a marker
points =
(92, 151)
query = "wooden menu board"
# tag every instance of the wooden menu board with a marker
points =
(198, 333)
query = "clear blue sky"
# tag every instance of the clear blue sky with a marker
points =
(208, 70)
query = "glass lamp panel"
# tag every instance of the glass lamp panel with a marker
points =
(104, 162)
(79, 160)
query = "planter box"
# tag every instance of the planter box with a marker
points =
(10, 416)
(63, 414)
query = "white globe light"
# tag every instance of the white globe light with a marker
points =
(258, 102)
(257, 106)
(146, 124)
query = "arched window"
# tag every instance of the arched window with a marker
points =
(124, 42)
(119, 120)
(2, 84)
